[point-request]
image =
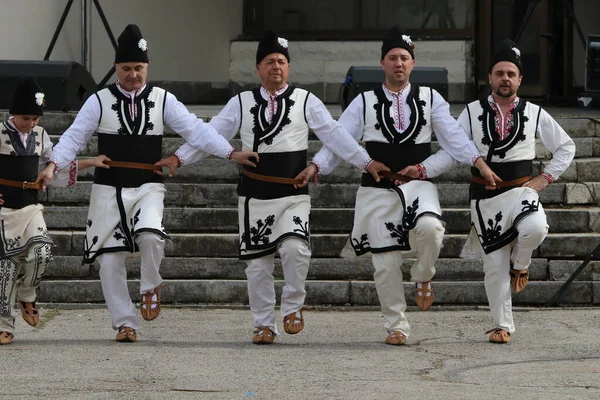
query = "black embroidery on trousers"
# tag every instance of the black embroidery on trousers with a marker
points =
(136, 218)
(43, 231)
(120, 234)
(303, 228)
(398, 232)
(531, 207)
(43, 257)
(87, 246)
(8, 275)
(260, 232)
(363, 246)
(409, 218)
(493, 229)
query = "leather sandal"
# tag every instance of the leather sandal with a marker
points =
(518, 279)
(29, 312)
(425, 300)
(126, 334)
(396, 338)
(293, 323)
(6, 337)
(150, 308)
(498, 335)
(263, 335)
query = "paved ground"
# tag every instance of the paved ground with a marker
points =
(200, 353)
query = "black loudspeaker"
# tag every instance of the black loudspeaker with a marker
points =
(592, 67)
(66, 84)
(361, 79)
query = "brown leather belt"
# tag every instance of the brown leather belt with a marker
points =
(21, 185)
(272, 179)
(132, 165)
(398, 177)
(516, 182)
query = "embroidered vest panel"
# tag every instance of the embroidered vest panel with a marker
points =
(19, 162)
(379, 121)
(519, 145)
(11, 141)
(116, 118)
(288, 130)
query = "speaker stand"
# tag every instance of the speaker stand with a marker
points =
(61, 23)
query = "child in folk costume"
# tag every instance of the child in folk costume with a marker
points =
(25, 243)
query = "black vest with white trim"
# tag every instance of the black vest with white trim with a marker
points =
(281, 144)
(123, 138)
(385, 143)
(510, 158)
(20, 163)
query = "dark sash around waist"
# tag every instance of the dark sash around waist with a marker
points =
(283, 165)
(129, 148)
(510, 171)
(396, 157)
(23, 169)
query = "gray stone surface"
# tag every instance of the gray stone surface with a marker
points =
(319, 293)
(561, 270)
(202, 353)
(579, 193)
(569, 245)
(588, 170)
(447, 269)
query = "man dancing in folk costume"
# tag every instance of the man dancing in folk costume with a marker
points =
(274, 120)
(396, 122)
(25, 247)
(509, 222)
(126, 205)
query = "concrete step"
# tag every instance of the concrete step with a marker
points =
(322, 195)
(226, 171)
(563, 245)
(338, 293)
(585, 147)
(323, 220)
(447, 269)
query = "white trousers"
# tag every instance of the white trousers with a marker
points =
(429, 234)
(20, 277)
(113, 277)
(532, 232)
(295, 259)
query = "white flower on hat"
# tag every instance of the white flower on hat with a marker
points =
(39, 98)
(143, 45)
(283, 42)
(406, 38)
(517, 52)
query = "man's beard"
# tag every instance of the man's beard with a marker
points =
(510, 92)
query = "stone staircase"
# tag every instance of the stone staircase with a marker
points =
(201, 263)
